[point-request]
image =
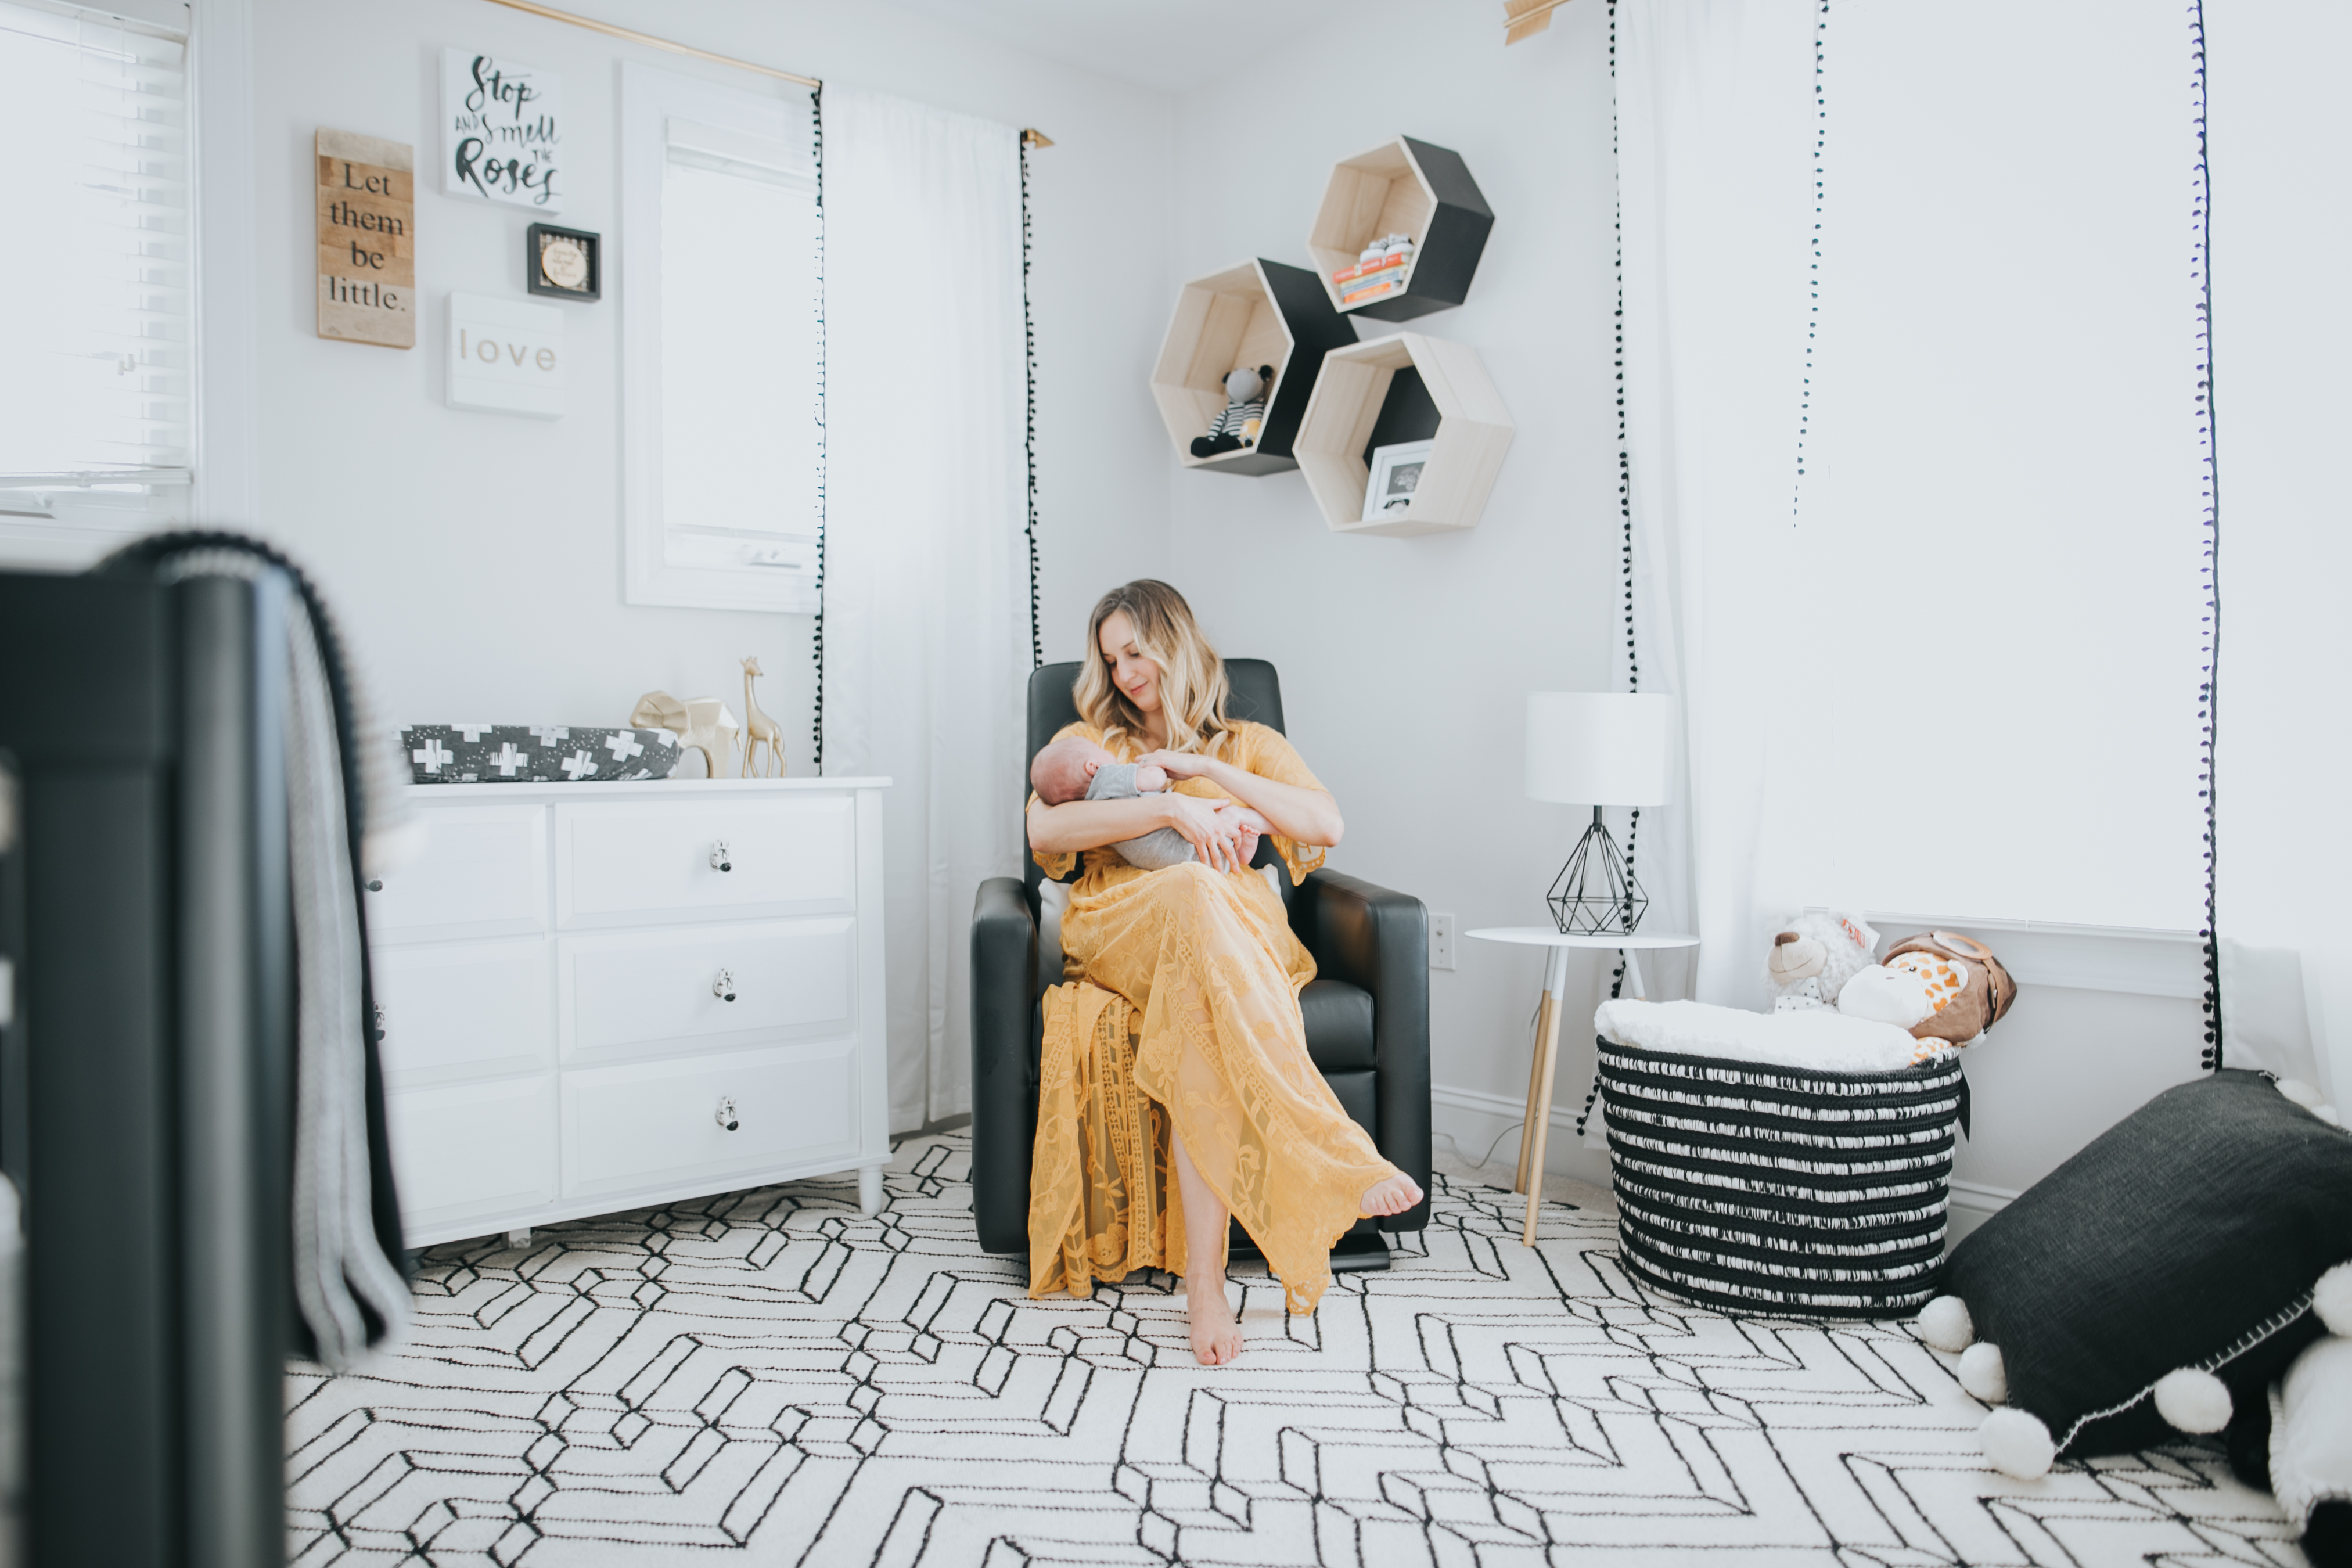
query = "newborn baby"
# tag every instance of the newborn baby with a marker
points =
(1077, 768)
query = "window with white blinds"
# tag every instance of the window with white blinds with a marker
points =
(720, 299)
(96, 350)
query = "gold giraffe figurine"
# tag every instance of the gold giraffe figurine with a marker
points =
(759, 729)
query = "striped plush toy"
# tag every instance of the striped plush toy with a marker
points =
(1245, 408)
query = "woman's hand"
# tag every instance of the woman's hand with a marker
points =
(1181, 764)
(1214, 835)
(1246, 826)
(1300, 815)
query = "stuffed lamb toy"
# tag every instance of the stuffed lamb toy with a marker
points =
(1814, 954)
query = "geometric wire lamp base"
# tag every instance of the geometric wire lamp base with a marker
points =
(1595, 893)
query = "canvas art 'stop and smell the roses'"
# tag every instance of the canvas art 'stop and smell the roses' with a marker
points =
(501, 131)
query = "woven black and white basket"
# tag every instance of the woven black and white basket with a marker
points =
(1755, 1188)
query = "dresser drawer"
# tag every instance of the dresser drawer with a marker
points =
(651, 992)
(465, 1010)
(635, 863)
(631, 1126)
(482, 872)
(472, 1149)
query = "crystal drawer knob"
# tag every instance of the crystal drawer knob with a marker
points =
(721, 860)
(724, 986)
(375, 885)
(726, 1117)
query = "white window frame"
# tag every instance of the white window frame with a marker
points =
(650, 100)
(222, 319)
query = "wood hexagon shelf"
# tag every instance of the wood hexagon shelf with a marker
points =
(1258, 313)
(1412, 188)
(1474, 431)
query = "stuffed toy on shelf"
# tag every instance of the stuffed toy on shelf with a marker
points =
(1245, 411)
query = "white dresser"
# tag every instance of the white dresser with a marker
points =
(602, 996)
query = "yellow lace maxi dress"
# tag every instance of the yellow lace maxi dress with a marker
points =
(1181, 1003)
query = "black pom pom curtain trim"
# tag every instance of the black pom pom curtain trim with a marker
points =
(816, 723)
(1626, 523)
(1813, 268)
(1029, 427)
(2201, 255)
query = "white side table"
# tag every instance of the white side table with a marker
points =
(1542, 1070)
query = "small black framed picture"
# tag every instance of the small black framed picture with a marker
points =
(567, 263)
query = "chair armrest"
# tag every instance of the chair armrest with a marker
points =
(1379, 939)
(1004, 1101)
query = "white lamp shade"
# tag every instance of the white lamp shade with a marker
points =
(1600, 748)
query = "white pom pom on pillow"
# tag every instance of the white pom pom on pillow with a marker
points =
(1945, 1324)
(2017, 1443)
(2331, 1298)
(1982, 1375)
(2194, 1402)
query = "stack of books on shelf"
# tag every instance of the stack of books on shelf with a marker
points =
(1380, 271)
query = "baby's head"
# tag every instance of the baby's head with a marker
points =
(1064, 770)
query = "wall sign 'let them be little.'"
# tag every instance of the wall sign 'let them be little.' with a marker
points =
(367, 240)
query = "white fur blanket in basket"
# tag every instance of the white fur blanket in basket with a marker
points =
(1818, 1039)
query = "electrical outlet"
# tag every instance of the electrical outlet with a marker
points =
(1441, 941)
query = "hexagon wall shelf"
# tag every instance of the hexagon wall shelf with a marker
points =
(1259, 312)
(1407, 188)
(1474, 431)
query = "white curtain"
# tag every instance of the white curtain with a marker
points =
(1715, 136)
(1949, 669)
(926, 640)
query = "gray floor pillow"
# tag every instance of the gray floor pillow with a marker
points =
(2157, 1281)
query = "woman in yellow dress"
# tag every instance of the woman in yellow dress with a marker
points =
(1175, 1045)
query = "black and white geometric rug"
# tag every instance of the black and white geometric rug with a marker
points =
(768, 1378)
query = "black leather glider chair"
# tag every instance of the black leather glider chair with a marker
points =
(1366, 1011)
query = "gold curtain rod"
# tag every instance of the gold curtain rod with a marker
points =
(1031, 137)
(633, 36)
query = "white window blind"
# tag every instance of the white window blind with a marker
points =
(95, 303)
(719, 302)
(737, 372)
(2003, 510)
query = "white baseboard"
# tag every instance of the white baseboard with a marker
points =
(1973, 1202)
(1474, 1119)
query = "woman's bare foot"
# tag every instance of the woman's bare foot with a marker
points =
(1392, 1197)
(1216, 1337)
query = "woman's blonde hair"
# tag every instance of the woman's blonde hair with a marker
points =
(1192, 686)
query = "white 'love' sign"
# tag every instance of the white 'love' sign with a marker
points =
(506, 357)
(501, 131)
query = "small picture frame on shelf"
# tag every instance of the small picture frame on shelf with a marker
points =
(1395, 475)
(564, 263)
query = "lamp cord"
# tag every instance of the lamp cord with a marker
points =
(1520, 1126)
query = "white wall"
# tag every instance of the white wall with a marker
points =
(475, 559)
(1404, 660)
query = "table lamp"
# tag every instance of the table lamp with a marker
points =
(1596, 749)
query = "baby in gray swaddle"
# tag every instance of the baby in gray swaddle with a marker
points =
(1075, 769)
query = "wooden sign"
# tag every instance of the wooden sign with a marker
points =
(505, 356)
(367, 240)
(501, 131)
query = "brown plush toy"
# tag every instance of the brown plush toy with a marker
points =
(1980, 990)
